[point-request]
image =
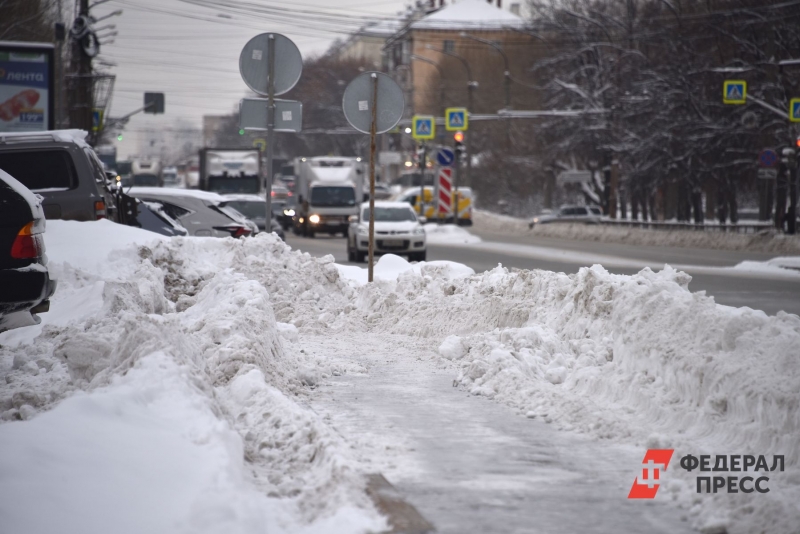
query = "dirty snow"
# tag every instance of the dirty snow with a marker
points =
(448, 234)
(636, 360)
(765, 241)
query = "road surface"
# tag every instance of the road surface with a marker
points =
(731, 288)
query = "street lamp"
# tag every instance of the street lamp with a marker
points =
(506, 73)
(471, 85)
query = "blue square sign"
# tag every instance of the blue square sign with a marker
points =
(734, 92)
(456, 119)
(423, 127)
(794, 110)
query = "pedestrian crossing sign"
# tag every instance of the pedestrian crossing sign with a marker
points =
(456, 119)
(794, 110)
(734, 92)
(423, 127)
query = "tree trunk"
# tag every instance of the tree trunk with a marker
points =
(697, 206)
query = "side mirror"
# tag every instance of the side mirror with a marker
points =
(352, 219)
(422, 219)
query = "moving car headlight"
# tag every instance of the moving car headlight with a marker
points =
(363, 230)
(535, 220)
(314, 219)
(419, 231)
(288, 213)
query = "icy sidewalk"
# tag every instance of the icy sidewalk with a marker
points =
(469, 465)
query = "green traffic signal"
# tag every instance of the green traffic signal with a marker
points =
(119, 137)
(241, 132)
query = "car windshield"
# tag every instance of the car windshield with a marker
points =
(40, 169)
(333, 196)
(390, 215)
(252, 209)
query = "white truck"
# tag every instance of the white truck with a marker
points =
(146, 172)
(225, 170)
(328, 191)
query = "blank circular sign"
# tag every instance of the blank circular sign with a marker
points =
(254, 63)
(358, 102)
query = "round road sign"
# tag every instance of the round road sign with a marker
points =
(445, 156)
(254, 63)
(767, 158)
(358, 102)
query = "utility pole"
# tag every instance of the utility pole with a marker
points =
(80, 112)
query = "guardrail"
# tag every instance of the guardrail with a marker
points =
(753, 227)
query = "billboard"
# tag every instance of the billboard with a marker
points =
(26, 87)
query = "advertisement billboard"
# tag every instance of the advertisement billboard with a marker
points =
(26, 87)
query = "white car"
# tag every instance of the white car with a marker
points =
(398, 230)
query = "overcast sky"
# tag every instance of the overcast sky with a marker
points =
(189, 49)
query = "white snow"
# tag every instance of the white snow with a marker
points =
(786, 266)
(469, 14)
(446, 234)
(158, 396)
(171, 371)
(389, 268)
(34, 201)
(764, 241)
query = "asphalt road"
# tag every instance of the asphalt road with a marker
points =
(731, 288)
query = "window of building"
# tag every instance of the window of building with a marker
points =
(449, 46)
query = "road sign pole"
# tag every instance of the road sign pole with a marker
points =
(270, 127)
(372, 135)
(422, 165)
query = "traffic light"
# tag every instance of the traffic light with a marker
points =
(241, 132)
(119, 137)
(797, 143)
(458, 137)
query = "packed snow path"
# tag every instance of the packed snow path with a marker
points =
(472, 465)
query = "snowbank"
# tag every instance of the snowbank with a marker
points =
(389, 267)
(635, 359)
(783, 266)
(766, 241)
(171, 399)
(448, 234)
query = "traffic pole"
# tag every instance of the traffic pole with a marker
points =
(372, 135)
(270, 127)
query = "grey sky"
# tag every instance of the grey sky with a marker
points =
(191, 52)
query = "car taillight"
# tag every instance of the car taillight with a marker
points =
(100, 209)
(236, 231)
(28, 244)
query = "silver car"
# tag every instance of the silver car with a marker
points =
(202, 213)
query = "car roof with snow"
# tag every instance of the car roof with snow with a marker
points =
(208, 196)
(245, 197)
(55, 136)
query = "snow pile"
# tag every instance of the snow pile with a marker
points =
(192, 345)
(787, 265)
(635, 359)
(389, 267)
(764, 241)
(174, 381)
(448, 234)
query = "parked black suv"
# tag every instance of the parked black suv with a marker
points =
(25, 284)
(61, 167)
